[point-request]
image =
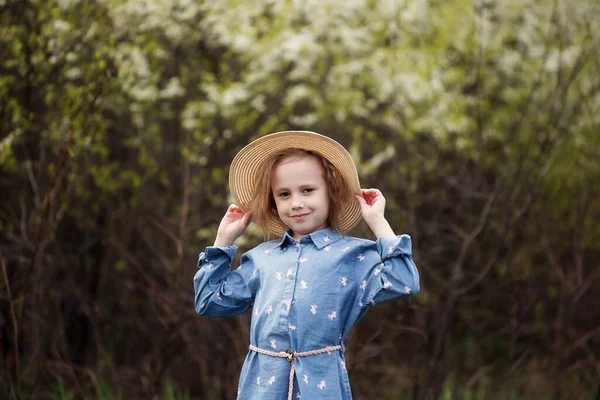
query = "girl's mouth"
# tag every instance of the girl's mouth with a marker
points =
(300, 217)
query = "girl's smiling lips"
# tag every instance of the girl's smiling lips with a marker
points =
(300, 216)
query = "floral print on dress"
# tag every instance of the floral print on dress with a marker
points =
(209, 266)
(305, 379)
(273, 343)
(377, 271)
(291, 326)
(388, 285)
(271, 380)
(313, 309)
(321, 385)
(332, 315)
(360, 257)
(302, 260)
(279, 275)
(344, 281)
(327, 248)
(290, 273)
(258, 380)
(406, 290)
(326, 239)
(267, 252)
(346, 248)
(298, 395)
(303, 285)
(363, 285)
(269, 309)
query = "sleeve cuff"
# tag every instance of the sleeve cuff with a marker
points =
(212, 253)
(393, 247)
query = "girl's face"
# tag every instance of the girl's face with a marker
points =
(301, 194)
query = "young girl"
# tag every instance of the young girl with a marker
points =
(311, 286)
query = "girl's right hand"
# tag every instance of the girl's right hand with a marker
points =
(233, 224)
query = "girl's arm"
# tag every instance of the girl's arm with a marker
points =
(387, 272)
(218, 290)
(391, 271)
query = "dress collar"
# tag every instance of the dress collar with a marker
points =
(287, 237)
(320, 238)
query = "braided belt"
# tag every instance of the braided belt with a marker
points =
(291, 355)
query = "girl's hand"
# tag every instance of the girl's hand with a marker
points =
(233, 224)
(372, 207)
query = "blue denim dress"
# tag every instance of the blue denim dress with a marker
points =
(304, 296)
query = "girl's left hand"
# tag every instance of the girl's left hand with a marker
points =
(372, 205)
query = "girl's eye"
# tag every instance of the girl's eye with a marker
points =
(283, 194)
(308, 190)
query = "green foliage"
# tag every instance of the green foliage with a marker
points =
(171, 392)
(60, 392)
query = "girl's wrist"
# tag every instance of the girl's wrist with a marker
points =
(223, 241)
(381, 227)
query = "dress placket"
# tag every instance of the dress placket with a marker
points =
(287, 297)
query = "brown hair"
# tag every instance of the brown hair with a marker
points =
(263, 206)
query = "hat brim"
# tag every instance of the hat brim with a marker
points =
(246, 166)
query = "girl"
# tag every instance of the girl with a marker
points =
(309, 288)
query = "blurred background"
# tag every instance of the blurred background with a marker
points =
(479, 121)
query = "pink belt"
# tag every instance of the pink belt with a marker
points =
(291, 355)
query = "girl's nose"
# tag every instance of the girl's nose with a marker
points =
(297, 204)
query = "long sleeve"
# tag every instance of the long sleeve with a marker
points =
(220, 292)
(391, 274)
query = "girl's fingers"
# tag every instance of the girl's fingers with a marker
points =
(233, 207)
(370, 192)
(370, 196)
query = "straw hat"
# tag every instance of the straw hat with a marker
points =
(245, 167)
